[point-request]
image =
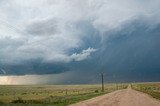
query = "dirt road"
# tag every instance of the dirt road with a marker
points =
(125, 97)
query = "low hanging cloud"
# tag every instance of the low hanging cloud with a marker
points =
(62, 31)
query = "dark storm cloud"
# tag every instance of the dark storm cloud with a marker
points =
(125, 58)
(119, 38)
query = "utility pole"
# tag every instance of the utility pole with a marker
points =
(102, 83)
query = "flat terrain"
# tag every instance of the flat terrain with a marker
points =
(56, 95)
(152, 89)
(125, 97)
(64, 95)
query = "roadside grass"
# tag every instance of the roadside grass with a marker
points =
(52, 95)
(152, 89)
(58, 100)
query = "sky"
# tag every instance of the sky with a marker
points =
(74, 41)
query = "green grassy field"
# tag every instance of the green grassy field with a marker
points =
(152, 89)
(56, 95)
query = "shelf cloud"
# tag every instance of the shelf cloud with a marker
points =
(58, 36)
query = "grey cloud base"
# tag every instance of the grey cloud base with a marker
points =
(81, 38)
(125, 58)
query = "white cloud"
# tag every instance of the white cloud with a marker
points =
(83, 55)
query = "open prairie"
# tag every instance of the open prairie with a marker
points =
(57, 95)
(81, 95)
(152, 89)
